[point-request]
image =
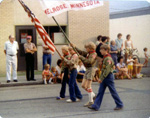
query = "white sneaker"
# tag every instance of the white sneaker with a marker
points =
(78, 100)
(69, 101)
(45, 82)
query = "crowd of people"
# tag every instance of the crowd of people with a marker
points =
(99, 62)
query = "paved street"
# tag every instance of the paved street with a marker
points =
(38, 101)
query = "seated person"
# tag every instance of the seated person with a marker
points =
(122, 69)
(97, 75)
(81, 71)
(46, 74)
(130, 65)
(58, 69)
(55, 74)
(137, 67)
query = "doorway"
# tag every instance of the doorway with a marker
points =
(21, 33)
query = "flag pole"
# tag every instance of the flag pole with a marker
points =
(64, 34)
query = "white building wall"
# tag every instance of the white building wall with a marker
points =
(138, 27)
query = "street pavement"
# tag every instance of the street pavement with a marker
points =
(39, 101)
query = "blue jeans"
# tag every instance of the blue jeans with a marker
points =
(63, 84)
(73, 87)
(107, 82)
(47, 58)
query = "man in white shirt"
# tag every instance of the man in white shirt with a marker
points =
(11, 48)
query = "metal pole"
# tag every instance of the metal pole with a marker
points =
(64, 34)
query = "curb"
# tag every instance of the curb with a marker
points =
(20, 84)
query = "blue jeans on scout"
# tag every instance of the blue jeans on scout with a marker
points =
(107, 82)
(73, 87)
(64, 82)
(47, 58)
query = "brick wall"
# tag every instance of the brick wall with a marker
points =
(83, 26)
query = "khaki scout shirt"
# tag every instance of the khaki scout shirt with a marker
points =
(72, 62)
(88, 59)
(64, 65)
(29, 46)
(107, 67)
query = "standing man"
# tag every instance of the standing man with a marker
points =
(30, 49)
(47, 57)
(119, 44)
(11, 48)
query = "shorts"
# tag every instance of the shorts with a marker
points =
(130, 67)
(90, 73)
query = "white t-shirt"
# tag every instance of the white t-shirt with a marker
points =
(120, 65)
(58, 69)
(81, 68)
(131, 63)
(97, 43)
(11, 48)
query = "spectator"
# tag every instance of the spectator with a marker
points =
(47, 58)
(46, 74)
(55, 74)
(97, 75)
(119, 44)
(137, 67)
(10, 49)
(146, 57)
(114, 51)
(30, 49)
(99, 55)
(128, 46)
(81, 71)
(98, 40)
(130, 65)
(122, 69)
(58, 69)
(108, 41)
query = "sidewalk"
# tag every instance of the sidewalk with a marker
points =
(22, 79)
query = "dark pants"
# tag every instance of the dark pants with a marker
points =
(73, 87)
(115, 58)
(107, 82)
(29, 66)
(47, 59)
(64, 82)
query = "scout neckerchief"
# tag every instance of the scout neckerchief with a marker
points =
(72, 55)
(66, 54)
(107, 55)
(90, 53)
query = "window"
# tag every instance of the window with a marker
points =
(56, 35)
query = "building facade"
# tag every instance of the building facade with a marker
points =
(80, 26)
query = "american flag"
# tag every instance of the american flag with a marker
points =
(42, 32)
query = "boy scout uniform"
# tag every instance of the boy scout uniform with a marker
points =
(107, 79)
(89, 60)
(65, 70)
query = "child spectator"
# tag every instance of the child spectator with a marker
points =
(122, 69)
(81, 71)
(58, 69)
(114, 51)
(55, 75)
(146, 57)
(130, 65)
(97, 74)
(137, 67)
(46, 74)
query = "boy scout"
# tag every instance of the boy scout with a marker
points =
(75, 94)
(89, 59)
(65, 71)
(106, 79)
